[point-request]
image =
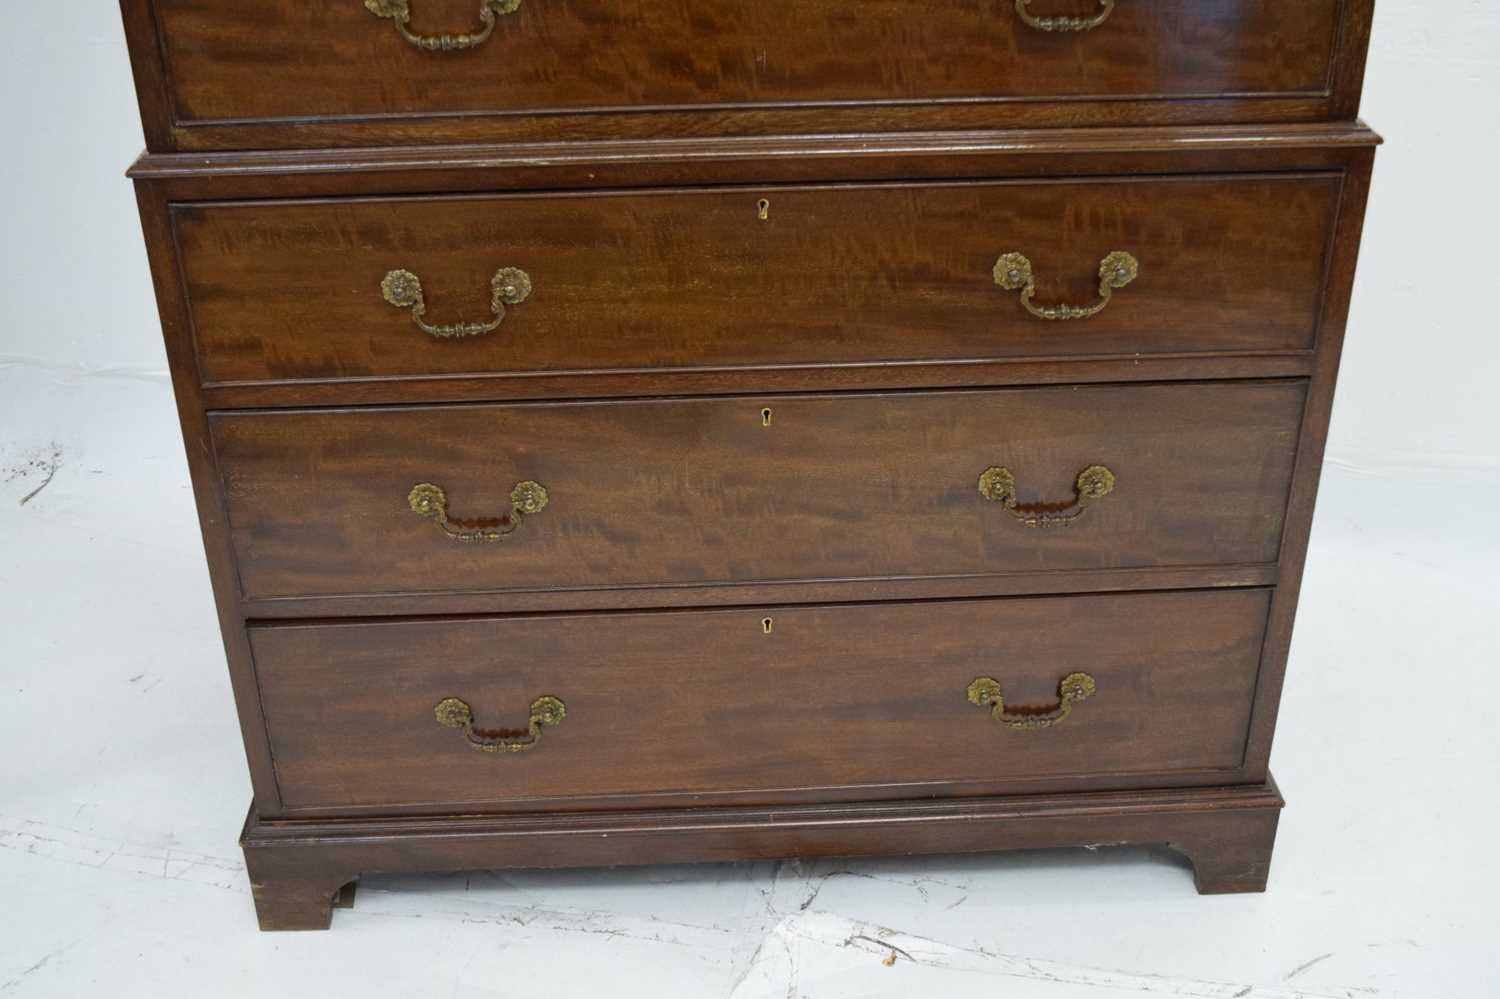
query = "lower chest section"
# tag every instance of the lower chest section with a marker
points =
(983, 480)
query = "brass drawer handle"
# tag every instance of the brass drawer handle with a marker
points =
(454, 713)
(1013, 272)
(1065, 23)
(1072, 689)
(1093, 483)
(400, 12)
(527, 498)
(403, 289)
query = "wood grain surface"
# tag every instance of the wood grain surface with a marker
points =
(690, 491)
(686, 279)
(705, 702)
(292, 59)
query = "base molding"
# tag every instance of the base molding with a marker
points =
(299, 870)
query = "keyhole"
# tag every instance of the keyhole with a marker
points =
(765, 417)
(766, 625)
(763, 209)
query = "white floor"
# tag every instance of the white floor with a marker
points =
(122, 786)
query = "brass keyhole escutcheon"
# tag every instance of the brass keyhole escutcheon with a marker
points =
(767, 625)
(765, 417)
(763, 209)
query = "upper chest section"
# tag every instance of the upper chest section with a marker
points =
(243, 74)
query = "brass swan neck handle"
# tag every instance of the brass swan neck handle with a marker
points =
(1013, 272)
(399, 11)
(1072, 689)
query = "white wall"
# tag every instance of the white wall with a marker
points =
(78, 292)
(1422, 357)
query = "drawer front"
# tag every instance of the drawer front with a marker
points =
(867, 699)
(696, 278)
(299, 62)
(736, 490)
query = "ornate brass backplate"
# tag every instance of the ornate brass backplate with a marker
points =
(998, 485)
(1072, 689)
(526, 499)
(1013, 272)
(452, 712)
(403, 289)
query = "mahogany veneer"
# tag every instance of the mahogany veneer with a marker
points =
(755, 714)
(762, 504)
(701, 491)
(224, 74)
(835, 274)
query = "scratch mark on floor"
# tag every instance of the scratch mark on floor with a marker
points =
(1299, 969)
(587, 924)
(749, 966)
(919, 885)
(794, 973)
(823, 879)
(78, 848)
(47, 465)
(46, 960)
(883, 946)
(820, 929)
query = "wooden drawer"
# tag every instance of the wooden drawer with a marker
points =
(734, 490)
(229, 74)
(694, 279)
(871, 700)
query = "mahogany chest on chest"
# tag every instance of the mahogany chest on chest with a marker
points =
(650, 431)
